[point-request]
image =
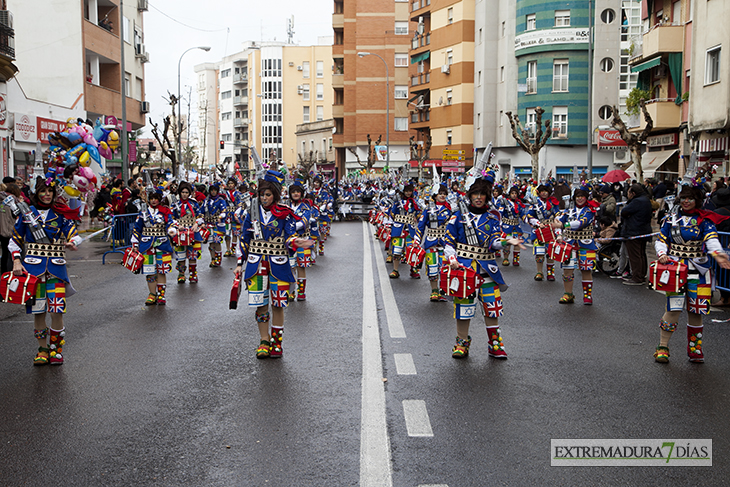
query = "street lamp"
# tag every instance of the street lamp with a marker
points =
(178, 157)
(387, 104)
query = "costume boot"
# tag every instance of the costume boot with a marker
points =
(301, 289)
(516, 258)
(181, 271)
(505, 260)
(276, 350)
(694, 344)
(42, 356)
(57, 339)
(587, 292)
(321, 247)
(414, 273)
(193, 273)
(161, 288)
(461, 349)
(496, 347)
(550, 272)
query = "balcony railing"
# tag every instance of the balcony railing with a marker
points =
(420, 4)
(240, 78)
(7, 34)
(240, 100)
(420, 41)
(421, 79)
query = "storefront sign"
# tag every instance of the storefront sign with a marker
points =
(438, 163)
(610, 140)
(25, 128)
(3, 112)
(47, 126)
(116, 123)
(545, 37)
(453, 169)
(132, 151)
(661, 140)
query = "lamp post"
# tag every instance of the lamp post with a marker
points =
(178, 156)
(387, 104)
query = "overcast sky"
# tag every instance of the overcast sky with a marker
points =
(223, 25)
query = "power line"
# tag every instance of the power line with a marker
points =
(186, 25)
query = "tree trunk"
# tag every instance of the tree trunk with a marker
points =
(535, 157)
(635, 150)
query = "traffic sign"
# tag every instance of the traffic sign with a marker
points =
(452, 169)
(454, 158)
(453, 163)
(449, 152)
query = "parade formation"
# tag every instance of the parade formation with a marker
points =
(277, 225)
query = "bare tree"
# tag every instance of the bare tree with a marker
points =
(163, 139)
(305, 164)
(531, 143)
(371, 154)
(633, 141)
(420, 156)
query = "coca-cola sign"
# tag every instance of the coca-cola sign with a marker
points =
(610, 140)
(25, 128)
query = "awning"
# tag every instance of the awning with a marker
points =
(420, 57)
(652, 161)
(597, 170)
(647, 65)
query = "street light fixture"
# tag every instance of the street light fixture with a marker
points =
(178, 157)
(387, 104)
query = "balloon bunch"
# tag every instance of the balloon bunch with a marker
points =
(73, 150)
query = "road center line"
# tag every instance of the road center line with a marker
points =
(417, 422)
(375, 465)
(395, 325)
(404, 364)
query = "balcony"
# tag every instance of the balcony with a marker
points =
(421, 41)
(338, 80)
(106, 101)
(664, 113)
(7, 35)
(419, 4)
(338, 111)
(338, 21)
(240, 122)
(240, 78)
(240, 100)
(663, 39)
(421, 79)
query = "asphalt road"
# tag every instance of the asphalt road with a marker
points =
(175, 396)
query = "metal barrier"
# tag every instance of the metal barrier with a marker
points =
(120, 234)
(722, 276)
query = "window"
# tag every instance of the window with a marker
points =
(127, 84)
(504, 28)
(305, 69)
(562, 18)
(450, 15)
(401, 28)
(449, 137)
(530, 121)
(480, 35)
(560, 122)
(401, 60)
(226, 95)
(320, 69)
(560, 75)
(226, 137)
(304, 147)
(305, 118)
(305, 92)
(479, 120)
(226, 116)
(225, 73)
(530, 22)
(501, 117)
(501, 74)
(401, 124)
(605, 112)
(401, 92)
(127, 30)
(608, 16)
(320, 91)
(712, 66)
(479, 78)
(531, 77)
(606, 64)
(329, 143)
(320, 113)
(449, 57)
(449, 97)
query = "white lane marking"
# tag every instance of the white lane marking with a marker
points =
(417, 422)
(433, 485)
(375, 465)
(395, 325)
(404, 364)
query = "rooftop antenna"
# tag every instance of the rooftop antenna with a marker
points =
(290, 30)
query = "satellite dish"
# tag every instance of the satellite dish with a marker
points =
(334, 130)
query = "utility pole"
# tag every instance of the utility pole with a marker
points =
(589, 155)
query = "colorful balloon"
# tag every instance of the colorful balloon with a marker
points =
(71, 191)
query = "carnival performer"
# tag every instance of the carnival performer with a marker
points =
(403, 214)
(430, 234)
(186, 214)
(473, 234)
(577, 229)
(688, 235)
(151, 237)
(45, 230)
(512, 211)
(269, 234)
(234, 198)
(214, 215)
(323, 200)
(307, 229)
(539, 216)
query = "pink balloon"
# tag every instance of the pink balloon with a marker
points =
(89, 139)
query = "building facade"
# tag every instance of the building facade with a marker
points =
(371, 88)
(85, 69)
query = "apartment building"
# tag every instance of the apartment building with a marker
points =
(442, 75)
(7, 72)
(80, 75)
(529, 54)
(371, 51)
(709, 87)
(661, 55)
(257, 97)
